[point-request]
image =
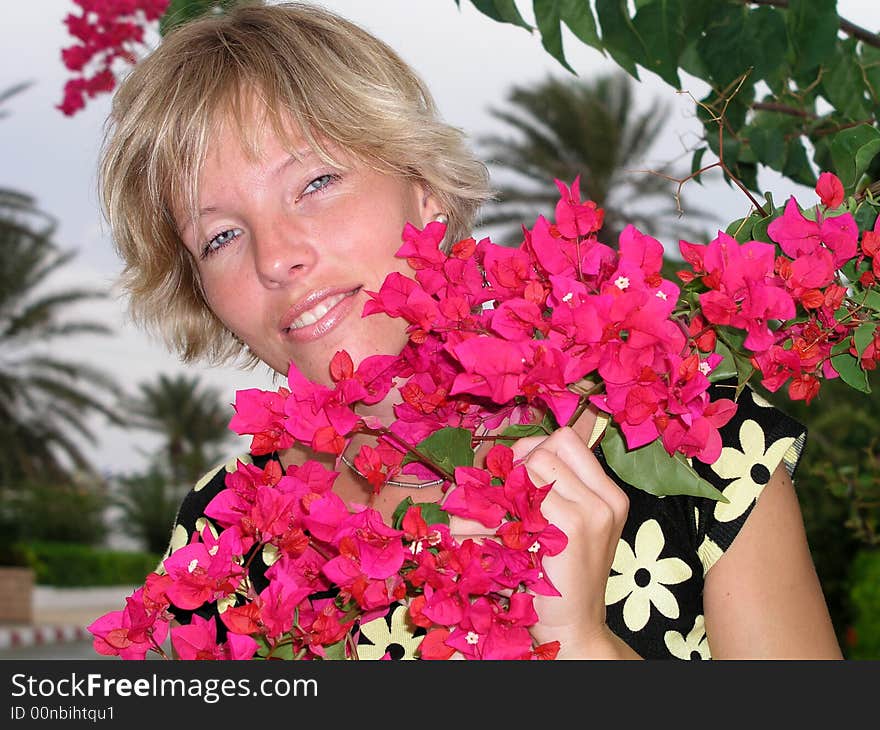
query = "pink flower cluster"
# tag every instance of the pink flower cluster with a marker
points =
(503, 342)
(789, 305)
(105, 31)
(461, 592)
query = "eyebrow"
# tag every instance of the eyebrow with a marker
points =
(291, 159)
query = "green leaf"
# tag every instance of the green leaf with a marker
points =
(180, 12)
(872, 300)
(741, 228)
(865, 216)
(738, 39)
(651, 469)
(759, 230)
(503, 11)
(727, 367)
(797, 165)
(812, 29)
(734, 339)
(518, 431)
(447, 448)
(578, 16)
(852, 151)
(433, 513)
(768, 143)
(619, 36)
(283, 651)
(843, 82)
(336, 651)
(851, 372)
(690, 61)
(768, 42)
(659, 25)
(864, 335)
(869, 59)
(400, 511)
(548, 17)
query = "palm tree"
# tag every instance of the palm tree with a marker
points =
(565, 128)
(46, 398)
(147, 506)
(191, 418)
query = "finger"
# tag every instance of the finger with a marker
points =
(564, 446)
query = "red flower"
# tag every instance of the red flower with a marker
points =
(830, 190)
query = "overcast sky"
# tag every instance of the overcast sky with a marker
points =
(468, 61)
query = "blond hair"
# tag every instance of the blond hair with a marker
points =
(334, 81)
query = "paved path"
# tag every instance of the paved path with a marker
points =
(61, 615)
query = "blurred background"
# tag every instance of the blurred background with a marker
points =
(102, 430)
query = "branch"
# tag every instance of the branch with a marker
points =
(768, 106)
(851, 29)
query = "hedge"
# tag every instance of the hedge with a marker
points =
(69, 564)
(864, 597)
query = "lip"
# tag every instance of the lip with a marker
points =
(326, 322)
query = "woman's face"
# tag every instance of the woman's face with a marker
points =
(286, 247)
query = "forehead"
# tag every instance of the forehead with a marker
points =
(259, 135)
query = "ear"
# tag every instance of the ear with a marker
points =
(430, 206)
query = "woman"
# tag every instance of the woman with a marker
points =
(258, 172)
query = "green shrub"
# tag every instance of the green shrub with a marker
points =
(864, 594)
(68, 565)
(60, 512)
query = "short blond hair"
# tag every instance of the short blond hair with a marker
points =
(336, 82)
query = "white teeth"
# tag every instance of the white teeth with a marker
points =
(319, 310)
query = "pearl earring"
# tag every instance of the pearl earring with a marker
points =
(441, 218)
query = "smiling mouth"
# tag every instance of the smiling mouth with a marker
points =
(314, 315)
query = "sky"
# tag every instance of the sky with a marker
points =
(468, 61)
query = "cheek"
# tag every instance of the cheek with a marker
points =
(232, 305)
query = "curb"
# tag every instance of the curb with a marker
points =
(16, 637)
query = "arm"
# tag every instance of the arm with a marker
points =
(762, 598)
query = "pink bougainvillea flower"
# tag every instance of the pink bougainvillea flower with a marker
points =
(796, 235)
(140, 627)
(830, 190)
(573, 217)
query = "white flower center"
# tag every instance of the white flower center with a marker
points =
(621, 282)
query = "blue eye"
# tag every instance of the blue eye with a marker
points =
(220, 240)
(319, 184)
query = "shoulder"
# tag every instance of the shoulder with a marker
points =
(755, 442)
(760, 429)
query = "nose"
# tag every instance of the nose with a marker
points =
(281, 254)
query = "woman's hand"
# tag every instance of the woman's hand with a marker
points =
(589, 507)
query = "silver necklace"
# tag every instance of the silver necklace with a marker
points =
(394, 482)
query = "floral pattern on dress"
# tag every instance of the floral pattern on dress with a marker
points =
(693, 646)
(643, 576)
(390, 635)
(750, 467)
